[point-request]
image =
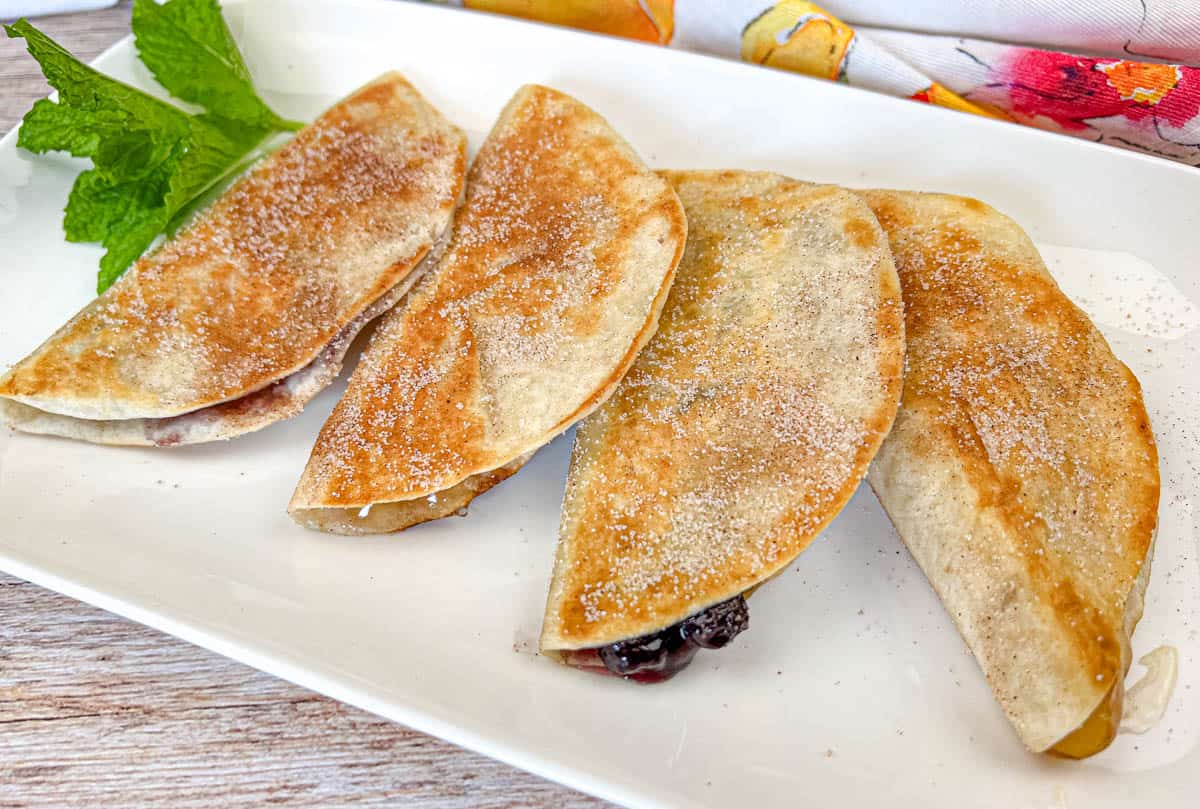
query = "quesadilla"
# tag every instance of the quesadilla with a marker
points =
(246, 314)
(557, 268)
(1021, 472)
(742, 429)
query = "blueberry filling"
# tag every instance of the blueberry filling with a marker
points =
(659, 656)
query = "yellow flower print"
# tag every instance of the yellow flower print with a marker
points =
(1143, 82)
(798, 36)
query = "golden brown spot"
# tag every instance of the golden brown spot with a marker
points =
(861, 233)
(974, 205)
(749, 206)
(379, 94)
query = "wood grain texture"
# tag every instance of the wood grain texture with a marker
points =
(97, 711)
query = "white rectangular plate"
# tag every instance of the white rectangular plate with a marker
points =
(851, 689)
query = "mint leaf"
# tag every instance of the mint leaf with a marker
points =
(189, 49)
(124, 217)
(56, 127)
(215, 145)
(97, 206)
(125, 245)
(120, 146)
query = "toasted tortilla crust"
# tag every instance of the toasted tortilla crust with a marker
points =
(381, 518)
(260, 284)
(746, 423)
(1022, 471)
(245, 414)
(558, 266)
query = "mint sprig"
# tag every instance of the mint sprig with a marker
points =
(150, 159)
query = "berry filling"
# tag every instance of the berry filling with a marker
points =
(659, 656)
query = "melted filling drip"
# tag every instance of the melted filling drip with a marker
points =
(661, 655)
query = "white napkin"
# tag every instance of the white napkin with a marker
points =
(1160, 29)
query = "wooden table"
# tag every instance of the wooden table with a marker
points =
(96, 711)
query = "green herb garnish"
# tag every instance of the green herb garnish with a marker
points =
(151, 160)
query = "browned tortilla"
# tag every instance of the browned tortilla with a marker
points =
(1021, 472)
(557, 268)
(747, 422)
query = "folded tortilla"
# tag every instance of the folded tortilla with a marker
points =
(1021, 472)
(243, 317)
(748, 421)
(558, 265)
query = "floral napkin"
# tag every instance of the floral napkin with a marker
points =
(1113, 71)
